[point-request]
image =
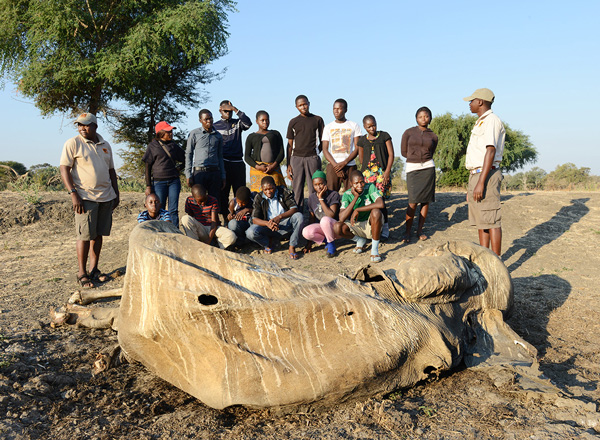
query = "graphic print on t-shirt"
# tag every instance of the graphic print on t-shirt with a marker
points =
(341, 140)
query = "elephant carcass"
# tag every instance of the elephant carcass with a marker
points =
(231, 329)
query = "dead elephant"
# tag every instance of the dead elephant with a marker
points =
(231, 329)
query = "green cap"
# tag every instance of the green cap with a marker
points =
(319, 174)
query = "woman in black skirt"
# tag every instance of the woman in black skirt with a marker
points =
(418, 145)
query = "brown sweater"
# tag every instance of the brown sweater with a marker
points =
(418, 146)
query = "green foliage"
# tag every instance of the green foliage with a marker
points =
(132, 184)
(525, 181)
(10, 171)
(567, 176)
(28, 189)
(150, 55)
(454, 133)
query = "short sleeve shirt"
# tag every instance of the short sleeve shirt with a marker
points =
(202, 213)
(305, 132)
(341, 139)
(488, 130)
(90, 163)
(369, 195)
(331, 198)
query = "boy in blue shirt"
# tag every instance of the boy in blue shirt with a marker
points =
(153, 210)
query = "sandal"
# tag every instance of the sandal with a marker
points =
(268, 250)
(423, 237)
(95, 274)
(85, 282)
(375, 258)
(406, 239)
(294, 255)
(358, 250)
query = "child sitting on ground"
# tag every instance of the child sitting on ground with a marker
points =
(200, 221)
(240, 213)
(323, 206)
(153, 210)
(361, 215)
(274, 216)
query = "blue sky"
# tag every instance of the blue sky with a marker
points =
(388, 58)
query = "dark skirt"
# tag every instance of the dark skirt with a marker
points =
(421, 185)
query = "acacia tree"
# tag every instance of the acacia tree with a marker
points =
(71, 56)
(454, 133)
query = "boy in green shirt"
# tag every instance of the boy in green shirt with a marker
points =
(360, 215)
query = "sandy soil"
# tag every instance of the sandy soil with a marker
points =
(47, 390)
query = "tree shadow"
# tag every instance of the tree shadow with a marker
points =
(544, 233)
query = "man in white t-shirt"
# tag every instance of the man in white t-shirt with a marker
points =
(484, 154)
(339, 147)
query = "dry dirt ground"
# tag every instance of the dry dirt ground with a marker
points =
(47, 390)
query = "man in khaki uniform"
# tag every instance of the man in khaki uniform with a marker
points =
(88, 172)
(484, 154)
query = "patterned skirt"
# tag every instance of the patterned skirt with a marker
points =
(374, 174)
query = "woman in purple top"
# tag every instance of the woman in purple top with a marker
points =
(324, 206)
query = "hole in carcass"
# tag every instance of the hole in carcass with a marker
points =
(350, 313)
(208, 300)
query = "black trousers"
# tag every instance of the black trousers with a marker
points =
(235, 176)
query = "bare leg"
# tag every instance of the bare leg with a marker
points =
(484, 237)
(95, 248)
(376, 221)
(422, 218)
(83, 249)
(410, 216)
(496, 239)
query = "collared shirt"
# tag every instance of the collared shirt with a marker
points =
(488, 130)
(274, 207)
(204, 149)
(163, 215)
(202, 213)
(231, 130)
(90, 163)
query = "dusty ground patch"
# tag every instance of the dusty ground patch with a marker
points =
(46, 389)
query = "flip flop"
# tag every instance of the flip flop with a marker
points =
(85, 282)
(423, 237)
(294, 255)
(406, 239)
(375, 258)
(268, 251)
(358, 250)
(95, 274)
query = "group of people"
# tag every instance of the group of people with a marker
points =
(267, 210)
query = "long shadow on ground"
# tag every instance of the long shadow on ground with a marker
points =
(544, 233)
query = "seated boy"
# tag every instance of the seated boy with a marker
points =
(201, 222)
(275, 215)
(240, 213)
(153, 210)
(361, 215)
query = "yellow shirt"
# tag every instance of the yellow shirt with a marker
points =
(89, 164)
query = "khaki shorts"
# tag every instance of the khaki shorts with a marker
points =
(95, 221)
(361, 229)
(486, 213)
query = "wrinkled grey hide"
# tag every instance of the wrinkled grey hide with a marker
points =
(231, 329)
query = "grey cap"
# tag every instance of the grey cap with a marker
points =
(485, 94)
(86, 119)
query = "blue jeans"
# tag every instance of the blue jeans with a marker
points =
(239, 227)
(168, 190)
(288, 226)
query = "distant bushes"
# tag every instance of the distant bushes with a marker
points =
(14, 176)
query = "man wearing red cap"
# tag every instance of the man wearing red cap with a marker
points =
(88, 172)
(484, 154)
(162, 173)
